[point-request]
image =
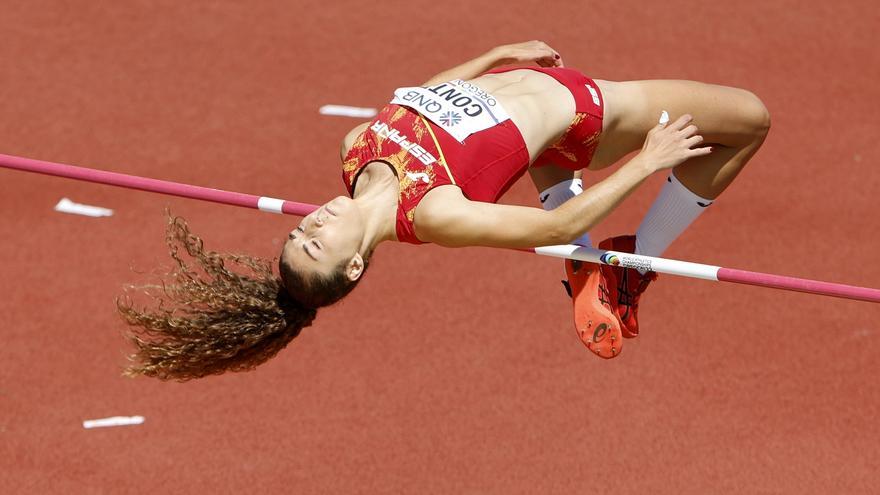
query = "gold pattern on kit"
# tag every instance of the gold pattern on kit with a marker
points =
(401, 161)
(563, 150)
(419, 133)
(397, 115)
(592, 140)
(560, 145)
(578, 118)
(408, 188)
(569, 151)
(350, 165)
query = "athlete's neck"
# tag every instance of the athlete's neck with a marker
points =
(376, 195)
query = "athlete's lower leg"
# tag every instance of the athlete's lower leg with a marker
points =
(688, 192)
(555, 186)
(734, 120)
(710, 175)
(593, 293)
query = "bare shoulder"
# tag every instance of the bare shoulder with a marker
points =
(441, 202)
(438, 211)
(349, 138)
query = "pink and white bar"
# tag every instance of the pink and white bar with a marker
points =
(710, 272)
(274, 205)
(262, 203)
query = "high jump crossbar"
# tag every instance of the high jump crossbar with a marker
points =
(614, 258)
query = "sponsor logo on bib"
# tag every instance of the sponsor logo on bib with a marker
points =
(459, 107)
(450, 119)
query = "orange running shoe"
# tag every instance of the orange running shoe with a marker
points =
(595, 318)
(630, 285)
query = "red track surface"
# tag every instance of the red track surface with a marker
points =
(729, 389)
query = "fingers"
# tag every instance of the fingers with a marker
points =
(540, 45)
(681, 122)
(551, 61)
(543, 62)
(542, 53)
(682, 125)
(693, 141)
(700, 151)
(689, 131)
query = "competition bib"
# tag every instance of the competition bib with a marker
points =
(457, 106)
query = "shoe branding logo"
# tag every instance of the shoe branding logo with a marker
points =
(544, 198)
(609, 259)
(703, 205)
(600, 333)
(642, 263)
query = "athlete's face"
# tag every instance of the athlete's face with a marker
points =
(325, 238)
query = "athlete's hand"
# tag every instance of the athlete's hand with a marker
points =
(530, 51)
(671, 144)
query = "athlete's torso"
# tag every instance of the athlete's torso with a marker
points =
(478, 135)
(541, 108)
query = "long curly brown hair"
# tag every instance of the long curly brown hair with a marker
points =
(208, 318)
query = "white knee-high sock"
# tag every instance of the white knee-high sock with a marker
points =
(552, 197)
(675, 208)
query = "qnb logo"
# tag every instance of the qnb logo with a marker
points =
(450, 118)
(600, 333)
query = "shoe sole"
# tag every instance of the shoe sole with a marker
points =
(629, 325)
(596, 325)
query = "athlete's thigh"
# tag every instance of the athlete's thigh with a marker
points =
(724, 115)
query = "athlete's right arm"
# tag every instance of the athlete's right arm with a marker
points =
(452, 220)
(449, 219)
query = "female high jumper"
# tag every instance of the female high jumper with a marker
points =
(431, 167)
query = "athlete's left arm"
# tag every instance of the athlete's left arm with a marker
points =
(530, 51)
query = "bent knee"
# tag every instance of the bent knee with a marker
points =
(756, 115)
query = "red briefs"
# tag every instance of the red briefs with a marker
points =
(460, 136)
(575, 148)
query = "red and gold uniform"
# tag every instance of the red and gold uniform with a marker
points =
(575, 148)
(455, 134)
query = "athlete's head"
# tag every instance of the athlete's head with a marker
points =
(321, 261)
(215, 312)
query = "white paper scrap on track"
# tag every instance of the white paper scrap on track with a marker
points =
(346, 111)
(68, 206)
(113, 421)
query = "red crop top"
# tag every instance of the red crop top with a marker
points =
(456, 133)
(424, 155)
